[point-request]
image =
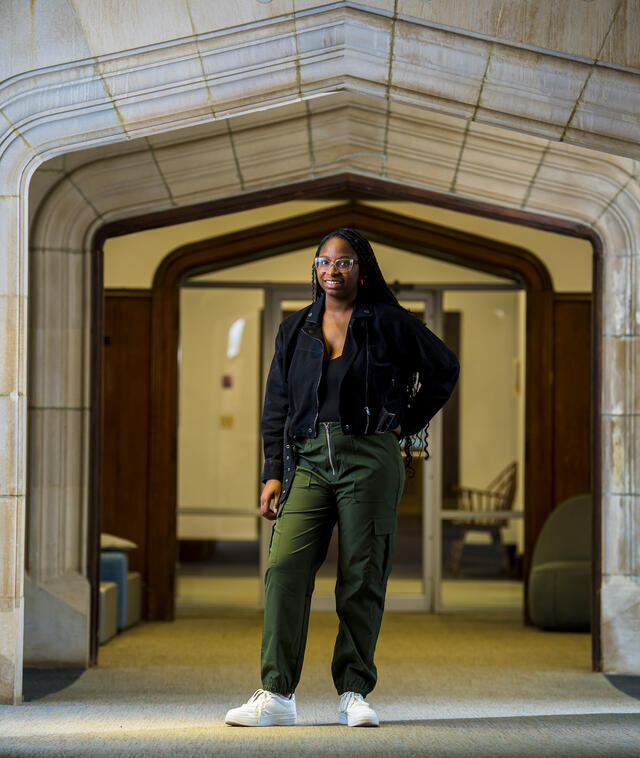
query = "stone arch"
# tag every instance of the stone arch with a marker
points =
(82, 225)
(413, 135)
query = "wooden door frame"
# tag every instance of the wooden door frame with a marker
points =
(276, 238)
(381, 226)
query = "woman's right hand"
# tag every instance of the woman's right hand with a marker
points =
(271, 492)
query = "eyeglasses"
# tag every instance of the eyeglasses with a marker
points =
(342, 264)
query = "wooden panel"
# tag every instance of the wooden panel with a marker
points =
(95, 447)
(126, 384)
(572, 396)
(538, 453)
(596, 447)
(451, 411)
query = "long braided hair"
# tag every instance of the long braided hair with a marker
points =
(374, 289)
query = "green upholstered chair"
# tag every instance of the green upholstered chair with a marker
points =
(559, 592)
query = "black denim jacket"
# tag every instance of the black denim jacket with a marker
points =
(385, 345)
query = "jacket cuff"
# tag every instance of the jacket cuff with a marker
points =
(272, 470)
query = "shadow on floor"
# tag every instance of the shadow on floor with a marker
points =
(630, 685)
(38, 683)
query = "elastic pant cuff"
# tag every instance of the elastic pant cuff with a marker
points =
(277, 686)
(355, 685)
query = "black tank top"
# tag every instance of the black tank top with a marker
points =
(328, 405)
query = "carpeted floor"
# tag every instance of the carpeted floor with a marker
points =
(449, 685)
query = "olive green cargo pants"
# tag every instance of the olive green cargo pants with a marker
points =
(356, 481)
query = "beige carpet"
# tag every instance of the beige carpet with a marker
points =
(449, 685)
(241, 589)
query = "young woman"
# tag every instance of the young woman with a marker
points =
(352, 374)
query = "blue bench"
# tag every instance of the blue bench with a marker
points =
(114, 567)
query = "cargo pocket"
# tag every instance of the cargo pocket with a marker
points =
(384, 525)
(384, 528)
(273, 544)
(298, 492)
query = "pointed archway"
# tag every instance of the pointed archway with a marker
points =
(271, 239)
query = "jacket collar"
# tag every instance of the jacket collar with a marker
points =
(361, 309)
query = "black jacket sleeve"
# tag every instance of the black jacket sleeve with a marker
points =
(274, 414)
(437, 368)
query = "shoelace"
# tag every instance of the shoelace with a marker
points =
(348, 698)
(257, 696)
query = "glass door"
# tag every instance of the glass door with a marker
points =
(218, 446)
(417, 587)
(275, 299)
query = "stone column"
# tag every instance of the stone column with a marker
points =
(57, 589)
(12, 447)
(620, 603)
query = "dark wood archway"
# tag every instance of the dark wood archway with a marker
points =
(399, 231)
(277, 238)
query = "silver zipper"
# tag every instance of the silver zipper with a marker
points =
(315, 418)
(326, 431)
(366, 376)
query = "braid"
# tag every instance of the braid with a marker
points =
(375, 290)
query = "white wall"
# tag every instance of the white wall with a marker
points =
(218, 432)
(567, 258)
(489, 378)
(491, 389)
(396, 265)
(131, 260)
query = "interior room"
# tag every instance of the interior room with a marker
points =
(227, 322)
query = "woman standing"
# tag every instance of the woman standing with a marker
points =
(352, 374)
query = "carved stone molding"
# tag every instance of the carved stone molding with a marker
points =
(333, 88)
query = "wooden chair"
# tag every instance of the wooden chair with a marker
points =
(498, 496)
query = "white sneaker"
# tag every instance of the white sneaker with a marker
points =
(354, 711)
(264, 708)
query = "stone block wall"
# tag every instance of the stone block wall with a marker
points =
(125, 117)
